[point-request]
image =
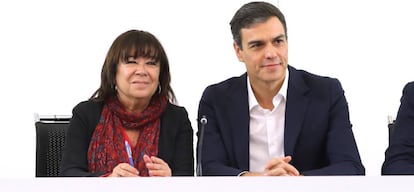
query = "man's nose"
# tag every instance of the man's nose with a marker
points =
(270, 52)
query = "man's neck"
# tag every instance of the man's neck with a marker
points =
(265, 92)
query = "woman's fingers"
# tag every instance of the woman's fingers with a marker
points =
(124, 170)
(156, 166)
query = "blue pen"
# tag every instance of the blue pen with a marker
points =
(128, 149)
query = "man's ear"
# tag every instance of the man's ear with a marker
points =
(238, 51)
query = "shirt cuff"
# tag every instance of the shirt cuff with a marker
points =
(242, 173)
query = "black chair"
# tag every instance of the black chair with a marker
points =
(50, 139)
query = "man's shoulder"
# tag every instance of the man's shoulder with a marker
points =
(229, 83)
(311, 76)
(410, 85)
(312, 79)
(409, 89)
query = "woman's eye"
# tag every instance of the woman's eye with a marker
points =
(152, 63)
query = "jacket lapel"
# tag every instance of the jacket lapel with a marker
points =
(239, 121)
(296, 106)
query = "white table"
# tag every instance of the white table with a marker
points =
(212, 184)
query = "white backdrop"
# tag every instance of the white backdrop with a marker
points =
(52, 52)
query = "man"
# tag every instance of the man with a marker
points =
(274, 120)
(399, 157)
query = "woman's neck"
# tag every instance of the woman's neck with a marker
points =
(134, 105)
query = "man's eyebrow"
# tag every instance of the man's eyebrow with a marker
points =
(280, 36)
(260, 41)
(254, 42)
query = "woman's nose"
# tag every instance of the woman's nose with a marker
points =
(140, 70)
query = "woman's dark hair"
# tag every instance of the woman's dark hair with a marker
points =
(144, 44)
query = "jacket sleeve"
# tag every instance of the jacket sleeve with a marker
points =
(216, 150)
(399, 155)
(74, 159)
(184, 154)
(341, 150)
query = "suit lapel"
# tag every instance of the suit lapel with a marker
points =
(296, 106)
(239, 121)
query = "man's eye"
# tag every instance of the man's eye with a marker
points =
(254, 45)
(279, 41)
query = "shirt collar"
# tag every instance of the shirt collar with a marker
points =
(282, 92)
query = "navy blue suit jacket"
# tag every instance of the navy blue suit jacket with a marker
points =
(318, 132)
(399, 157)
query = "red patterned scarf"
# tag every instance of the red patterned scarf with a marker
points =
(107, 146)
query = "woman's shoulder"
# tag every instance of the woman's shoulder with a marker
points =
(88, 106)
(174, 118)
(88, 111)
(171, 107)
(175, 111)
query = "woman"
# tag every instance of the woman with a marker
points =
(129, 127)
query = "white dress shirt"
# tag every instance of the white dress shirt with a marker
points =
(266, 130)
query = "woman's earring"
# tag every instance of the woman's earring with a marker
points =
(159, 88)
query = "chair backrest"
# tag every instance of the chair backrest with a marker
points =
(50, 140)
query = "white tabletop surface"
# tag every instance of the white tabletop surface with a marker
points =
(212, 184)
